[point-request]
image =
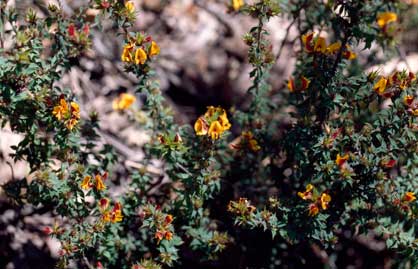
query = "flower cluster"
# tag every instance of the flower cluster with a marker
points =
(318, 44)
(317, 201)
(162, 222)
(110, 215)
(398, 80)
(69, 114)
(138, 50)
(98, 182)
(213, 123)
(123, 101)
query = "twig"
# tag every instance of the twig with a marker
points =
(285, 38)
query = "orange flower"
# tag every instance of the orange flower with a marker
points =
(313, 210)
(409, 197)
(168, 219)
(159, 235)
(168, 235)
(340, 160)
(307, 194)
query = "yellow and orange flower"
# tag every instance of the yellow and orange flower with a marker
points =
(408, 100)
(325, 200)
(213, 123)
(123, 102)
(86, 183)
(308, 42)
(380, 85)
(154, 49)
(127, 53)
(409, 197)
(320, 45)
(313, 209)
(383, 19)
(307, 194)
(300, 85)
(99, 185)
(70, 115)
(340, 160)
(140, 56)
(201, 127)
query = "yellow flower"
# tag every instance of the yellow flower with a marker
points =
(380, 85)
(140, 56)
(154, 49)
(60, 111)
(340, 160)
(313, 210)
(71, 123)
(86, 183)
(320, 45)
(99, 183)
(385, 18)
(127, 53)
(124, 101)
(409, 197)
(130, 7)
(215, 130)
(223, 120)
(307, 194)
(201, 126)
(237, 4)
(325, 199)
(334, 47)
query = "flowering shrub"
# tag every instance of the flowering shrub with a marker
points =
(341, 162)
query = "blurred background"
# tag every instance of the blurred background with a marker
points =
(203, 62)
